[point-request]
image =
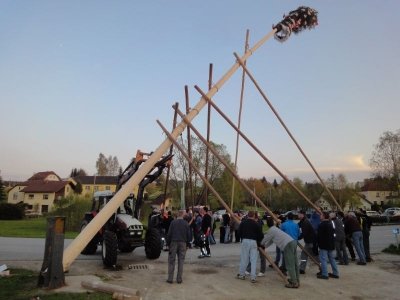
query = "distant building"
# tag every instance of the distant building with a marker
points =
(377, 192)
(91, 184)
(40, 191)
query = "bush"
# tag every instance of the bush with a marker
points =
(74, 209)
(10, 211)
(393, 249)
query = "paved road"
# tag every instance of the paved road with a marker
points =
(30, 249)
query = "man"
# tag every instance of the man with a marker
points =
(292, 229)
(366, 224)
(309, 236)
(289, 246)
(251, 235)
(205, 232)
(340, 239)
(353, 228)
(326, 244)
(178, 238)
(263, 262)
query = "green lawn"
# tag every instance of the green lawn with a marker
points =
(22, 284)
(29, 228)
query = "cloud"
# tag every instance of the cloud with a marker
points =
(357, 162)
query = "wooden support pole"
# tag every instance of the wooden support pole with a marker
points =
(52, 273)
(258, 151)
(189, 145)
(210, 73)
(221, 201)
(246, 47)
(80, 242)
(171, 149)
(246, 70)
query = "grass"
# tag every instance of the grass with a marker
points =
(22, 284)
(28, 228)
(393, 249)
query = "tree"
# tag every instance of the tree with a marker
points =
(77, 172)
(180, 169)
(101, 165)
(107, 166)
(385, 159)
(3, 196)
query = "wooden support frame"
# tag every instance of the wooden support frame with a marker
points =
(79, 243)
(233, 172)
(246, 71)
(222, 202)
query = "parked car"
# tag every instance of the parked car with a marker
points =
(392, 211)
(294, 212)
(375, 216)
(218, 214)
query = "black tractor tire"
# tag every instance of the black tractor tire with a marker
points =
(109, 249)
(152, 243)
(91, 247)
(125, 247)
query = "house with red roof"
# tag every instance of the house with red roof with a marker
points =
(40, 191)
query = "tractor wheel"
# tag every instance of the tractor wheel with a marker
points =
(152, 243)
(91, 247)
(109, 249)
(125, 247)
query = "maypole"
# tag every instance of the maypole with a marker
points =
(295, 22)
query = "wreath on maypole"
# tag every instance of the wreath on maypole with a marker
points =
(296, 21)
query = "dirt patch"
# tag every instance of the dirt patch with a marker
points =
(205, 271)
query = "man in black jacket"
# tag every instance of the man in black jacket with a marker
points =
(309, 236)
(251, 234)
(326, 244)
(205, 232)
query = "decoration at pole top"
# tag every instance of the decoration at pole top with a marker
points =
(297, 20)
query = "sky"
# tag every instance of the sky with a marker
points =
(79, 78)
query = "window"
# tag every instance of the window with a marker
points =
(45, 196)
(87, 187)
(15, 196)
(107, 188)
(67, 189)
(31, 196)
(377, 195)
(96, 188)
(45, 208)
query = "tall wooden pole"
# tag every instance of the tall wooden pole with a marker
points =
(170, 152)
(80, 242)
(246, 70)
(246, 47)
(210, 73)
(189, 145)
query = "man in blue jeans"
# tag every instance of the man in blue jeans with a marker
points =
(251, 234)
(326, 244)
(353, 228)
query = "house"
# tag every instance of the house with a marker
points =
(159, 203)
(377, 191)
(91, 184)
(40, 191)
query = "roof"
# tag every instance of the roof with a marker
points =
(45, 187)
(43, 175)
(97, 179)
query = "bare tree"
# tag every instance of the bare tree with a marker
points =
(385, 161)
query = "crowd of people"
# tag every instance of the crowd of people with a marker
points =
(328, 238)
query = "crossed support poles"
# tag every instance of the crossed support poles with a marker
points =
(234, 174)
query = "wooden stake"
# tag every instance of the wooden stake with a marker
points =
(210, 73)
(189, 145)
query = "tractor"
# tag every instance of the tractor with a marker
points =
(123, 231)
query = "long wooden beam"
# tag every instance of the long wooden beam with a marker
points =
(246, 70)
(80, 242)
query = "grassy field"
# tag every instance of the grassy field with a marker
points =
(22, 284)
(29, 228)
